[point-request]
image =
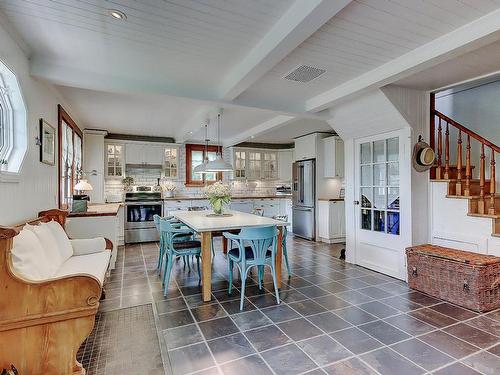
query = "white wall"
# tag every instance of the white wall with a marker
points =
(476, 108)
(36, 188)
(392, 109)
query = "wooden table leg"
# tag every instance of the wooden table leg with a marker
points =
(224, 244)
(279, 256)
(206, 265)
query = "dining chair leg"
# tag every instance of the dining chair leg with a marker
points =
(273, 273)
(285, 255)
(166, 276)
(230, 269)
(260, 275)
(243, 282)
(198, 266)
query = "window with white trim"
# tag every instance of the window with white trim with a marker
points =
(13, 140)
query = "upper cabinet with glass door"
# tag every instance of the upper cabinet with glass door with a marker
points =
(254, 164)
(171, 161)
(114, 160)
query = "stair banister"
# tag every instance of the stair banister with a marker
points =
(486, 204)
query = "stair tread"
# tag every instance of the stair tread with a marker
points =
(486, 196)
(489, 216)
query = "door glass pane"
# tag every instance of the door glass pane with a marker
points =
(393, 198)
(379, 197)
(379, 221)
(366, 197)
(393, 149)
(393, 174)
(379, 174)
(366, 175)
(392, 222)
(366, 153)
(378, 151)
(379, 185)
(366, 219)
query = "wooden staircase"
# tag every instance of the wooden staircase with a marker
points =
(483, 201)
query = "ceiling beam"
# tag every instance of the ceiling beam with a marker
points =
(469, 37)
(106, 81)
(299, 22)
(264, 127)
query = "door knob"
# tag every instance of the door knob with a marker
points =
(356, 203)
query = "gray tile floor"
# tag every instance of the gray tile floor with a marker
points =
(334, 318)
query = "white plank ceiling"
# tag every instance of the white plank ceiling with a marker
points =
(363, 36)
(162, 69)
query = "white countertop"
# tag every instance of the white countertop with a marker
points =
(200, 222)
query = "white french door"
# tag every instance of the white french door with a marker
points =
(382, 202)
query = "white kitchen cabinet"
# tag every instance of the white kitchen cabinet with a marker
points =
(94, 161)
(240, 165)
(242, 205)
(254, 165)
(269, 165)
(305, 147)
(333, 166)
(170, 206)
(285, 161)
(154, 154)
(271, 207)
(120, 237)
(114, 160)
(331, 223)
(171, 161)
(135, 153)
(144, 154)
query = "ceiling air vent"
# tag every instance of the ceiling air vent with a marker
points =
(304, 73)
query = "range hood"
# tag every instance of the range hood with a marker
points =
(143, 166)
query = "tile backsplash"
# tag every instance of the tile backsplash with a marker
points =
(149, 177)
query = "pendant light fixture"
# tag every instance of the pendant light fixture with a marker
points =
(201, 168)
(219, 164)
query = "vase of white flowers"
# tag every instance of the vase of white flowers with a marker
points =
(168, 187)
(218, 195)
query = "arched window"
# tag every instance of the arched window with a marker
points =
(13, 128)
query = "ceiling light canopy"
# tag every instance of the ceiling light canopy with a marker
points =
(219, 164)
(117, 14)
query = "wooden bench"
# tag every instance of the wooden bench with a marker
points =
(43, 323)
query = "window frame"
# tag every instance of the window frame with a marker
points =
(62, 115)
(197, 147)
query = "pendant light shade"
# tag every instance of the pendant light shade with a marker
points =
(202, 168)
(219, 164)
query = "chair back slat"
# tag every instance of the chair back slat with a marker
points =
(260, 240)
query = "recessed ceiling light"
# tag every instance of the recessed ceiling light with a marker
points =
(191, 133)
(252, 136)
(118, 14)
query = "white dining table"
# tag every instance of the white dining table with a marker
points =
(204, 223)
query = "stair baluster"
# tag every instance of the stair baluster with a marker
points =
(468, 168)
(447, 152)
(482, 178)
(458, 185)
(491, 209)
(439, 170)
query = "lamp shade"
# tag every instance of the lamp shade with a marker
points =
(218, 165)
(200, 168)
(83, 185)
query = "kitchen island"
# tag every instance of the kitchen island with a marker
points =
(100, 220)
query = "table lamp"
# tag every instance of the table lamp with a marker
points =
(80, 200)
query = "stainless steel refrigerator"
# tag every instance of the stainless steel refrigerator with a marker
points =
(303, 199)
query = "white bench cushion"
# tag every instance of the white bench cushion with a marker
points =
(51, 247)
(29, 259)
(88, 245)
(94, 264)
(61, 238)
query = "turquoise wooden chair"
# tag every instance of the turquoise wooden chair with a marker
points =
(161, 255)
(176, 245)
(256, 248)
(283, 242)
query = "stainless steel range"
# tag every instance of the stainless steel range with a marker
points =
(140, 207)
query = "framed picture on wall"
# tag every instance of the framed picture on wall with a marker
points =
(48, 143)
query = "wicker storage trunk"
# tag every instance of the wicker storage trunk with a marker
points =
(466, 279)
